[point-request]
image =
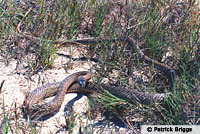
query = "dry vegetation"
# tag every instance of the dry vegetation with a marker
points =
(168, 32)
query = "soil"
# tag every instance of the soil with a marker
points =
(17, 84)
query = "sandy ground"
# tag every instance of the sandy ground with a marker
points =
(16, 85)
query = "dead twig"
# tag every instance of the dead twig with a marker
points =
(18, 27)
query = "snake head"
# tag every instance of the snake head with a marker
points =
(81, 80)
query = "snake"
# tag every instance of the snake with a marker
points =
(78, 82)
(36, 109)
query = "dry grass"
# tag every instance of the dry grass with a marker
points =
(167, 30)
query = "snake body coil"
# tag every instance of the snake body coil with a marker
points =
(67, 85)
(39, 109)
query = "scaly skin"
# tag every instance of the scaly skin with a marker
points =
(39, 109)
(60, 88)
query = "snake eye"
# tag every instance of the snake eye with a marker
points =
(81, 81)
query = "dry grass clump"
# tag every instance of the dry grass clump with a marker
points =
(167, 31)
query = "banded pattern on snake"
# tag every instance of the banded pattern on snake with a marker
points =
(36, 109)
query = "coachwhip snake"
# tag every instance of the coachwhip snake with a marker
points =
(69, 84)
(36, 109)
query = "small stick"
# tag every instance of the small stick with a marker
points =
(18, 27)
